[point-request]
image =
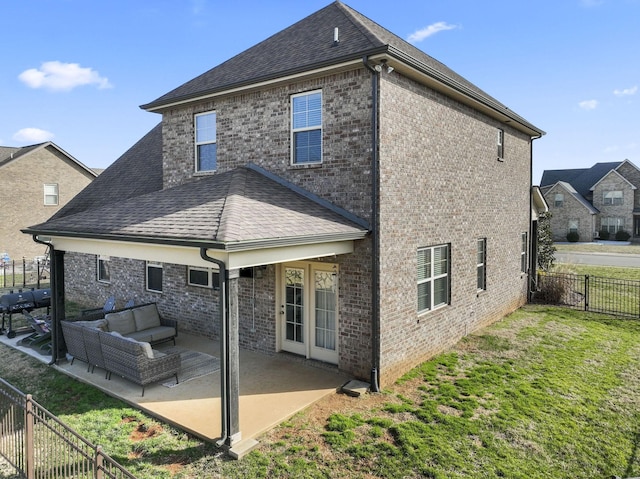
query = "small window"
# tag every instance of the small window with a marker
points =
(500, 144)
(523, 252)
(433, 277)
(206, 146)
(51, 194)
(306, 128)
(154, 277)
(614, 198)
(559, 200)
(203, 277)
(104, 273)
(573, 226)
(482, 264)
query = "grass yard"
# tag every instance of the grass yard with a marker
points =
(545, 393)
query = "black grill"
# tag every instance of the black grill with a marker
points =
(12, 303)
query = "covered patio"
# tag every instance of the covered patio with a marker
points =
(272, 389)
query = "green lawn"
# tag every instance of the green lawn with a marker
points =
(545, 393)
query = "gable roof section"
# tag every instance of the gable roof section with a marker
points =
(571, 190)
(9, 154)
(137, 172)
(614, 172)
(308, 45)
(236, 210)
(581, 179)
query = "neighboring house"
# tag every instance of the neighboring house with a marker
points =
(590, 200)
(36, 182)
(332, 192)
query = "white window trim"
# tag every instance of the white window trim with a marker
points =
(104, 259)
(307, 128)
(210, 271)
(482, 264)
(200, 143)
(432, 279)
(55, 195)
(558, 200)
(151, 264)
(613, 197)
(500, 144)
(524, 253)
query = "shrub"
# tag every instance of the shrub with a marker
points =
(603, 234)
(554, 288)
(622, 235)
(573, 237)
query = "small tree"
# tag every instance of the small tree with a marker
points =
(546, 248)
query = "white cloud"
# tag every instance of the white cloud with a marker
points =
(62, 77)
(626, 91)
(432, 29)
(588, 104)
(33, 135)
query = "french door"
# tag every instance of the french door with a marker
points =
(308, 310)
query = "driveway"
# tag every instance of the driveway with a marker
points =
(599, 259)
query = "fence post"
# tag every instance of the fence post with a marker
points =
(99, 465)
(586, 292)
(29, 421)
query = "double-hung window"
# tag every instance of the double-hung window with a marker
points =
(558, 200)
(613, 197)
(524, 239)
(612, 224)
(573, 226)
(51, 194)
(154, 277)
(433, 277)
(482, 264)
(203, 277)
(104, 274)
(206, 146)
(306, 128)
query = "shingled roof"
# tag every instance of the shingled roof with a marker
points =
(281, 55)
(241, 208)
(581, 179)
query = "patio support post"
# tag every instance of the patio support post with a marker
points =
(57, 302)
(232, 367)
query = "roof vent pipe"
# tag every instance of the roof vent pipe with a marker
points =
(336, 36)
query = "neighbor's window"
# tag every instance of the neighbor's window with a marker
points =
(154, 277)
(573, 226)
(306, 128)
(523, 252)
(482, 264)
(612, 225)
(206, 146)
(612, 197)
(203, 277)
(51, 194)
(500, 144)
(433, 277)
(104, 275)
(559, 200)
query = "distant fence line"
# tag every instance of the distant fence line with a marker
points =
(24, 273)
(38, 445)
(620, 297)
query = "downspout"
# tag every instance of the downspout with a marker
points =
(54, 307)
(222, 308)
(375, 261)
(531, 278)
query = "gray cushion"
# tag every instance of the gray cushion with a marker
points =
(97, 324)
(141, 335)
(146, 317)
(121, 322)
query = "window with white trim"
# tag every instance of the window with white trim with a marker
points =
(612, 224)
(613, 197)
(103, 269)
(433, 277)
(524, 238)
(306, 128)
(482, 264)
(154, 277)
(558, 200)
(206, 146)
(573, 226)
(203, 277)
(51, 194)
(500, 144)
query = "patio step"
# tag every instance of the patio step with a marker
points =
(355, 388)
(238, 451)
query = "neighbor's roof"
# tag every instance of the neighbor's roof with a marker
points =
(582, 179)
(581, 199)
(239, 209)
(11, 154)
(309, 45)
(137, 172)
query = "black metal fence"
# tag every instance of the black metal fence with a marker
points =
(24, 273)
(38, 445)
(620, 297)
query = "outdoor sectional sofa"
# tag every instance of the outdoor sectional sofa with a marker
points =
(120, 343)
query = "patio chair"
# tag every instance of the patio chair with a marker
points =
(41, 331)
(109, 305)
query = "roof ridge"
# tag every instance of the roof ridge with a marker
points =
(356, 22)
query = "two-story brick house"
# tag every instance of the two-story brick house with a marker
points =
(37, 181)
(358, 202)
(588, 201)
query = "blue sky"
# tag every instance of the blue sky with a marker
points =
(76, 71)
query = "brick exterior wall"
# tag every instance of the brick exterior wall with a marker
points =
(614, 182)
(22, 197)
(571, 210)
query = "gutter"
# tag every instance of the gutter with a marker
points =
(375, 261)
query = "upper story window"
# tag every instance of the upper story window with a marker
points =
(104, 274)
(51, 194)
(482, 264)
(433, 277)
(206, 147)
(524, 239)
(500, 141)
(306, 128)
(558, 200)
(613, 197)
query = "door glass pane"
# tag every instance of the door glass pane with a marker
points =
(294, 307)
(325, 310)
